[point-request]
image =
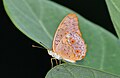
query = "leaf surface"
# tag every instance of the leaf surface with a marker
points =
(39, 19)
(76, 71)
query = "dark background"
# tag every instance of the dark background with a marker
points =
(19, 60)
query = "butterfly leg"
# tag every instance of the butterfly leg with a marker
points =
(60, 62)
(56, 61)
(52, 62)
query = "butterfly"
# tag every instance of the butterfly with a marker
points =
(68, 43)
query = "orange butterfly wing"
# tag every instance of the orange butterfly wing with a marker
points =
(68, 42)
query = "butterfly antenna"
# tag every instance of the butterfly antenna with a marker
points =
(37, 46)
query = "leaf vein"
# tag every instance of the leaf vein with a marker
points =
(115, 6)
(102, 54)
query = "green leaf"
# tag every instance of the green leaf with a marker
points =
(77, 71)
(39, 19)
(114, 9)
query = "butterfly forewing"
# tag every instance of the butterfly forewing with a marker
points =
(68, 41)
(67, 25)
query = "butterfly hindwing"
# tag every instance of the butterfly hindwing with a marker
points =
(65, 50)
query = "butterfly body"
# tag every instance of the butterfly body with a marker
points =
(68, 43)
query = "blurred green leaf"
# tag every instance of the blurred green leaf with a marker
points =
(77, 71)
(39, 19)
(114, 9)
